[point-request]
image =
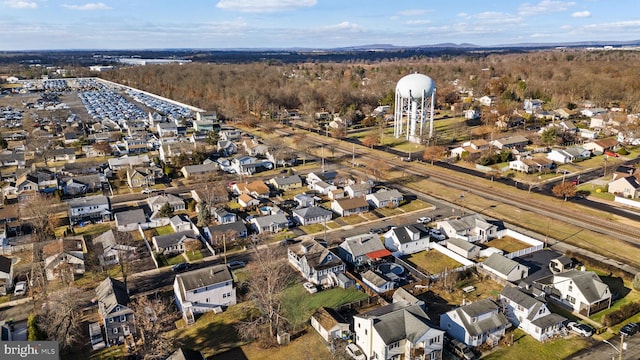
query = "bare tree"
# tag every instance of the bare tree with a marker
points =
(433, 153)
(564, 190)
(270, 276)
(125, 243)
(60, 319)
(154, 319)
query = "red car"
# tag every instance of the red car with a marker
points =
(611, 153)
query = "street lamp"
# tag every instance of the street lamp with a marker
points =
(623, 346)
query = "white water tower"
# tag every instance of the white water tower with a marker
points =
(415, 98)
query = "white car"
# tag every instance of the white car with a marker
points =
(580, 329)
(312, 289)
(20, 289)
(423, 220)
(354, 351)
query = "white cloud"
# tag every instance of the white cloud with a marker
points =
(462, 14)
(493, 17)
(581, 14)
(413, 12)
(631, 25)
(418, 22)
(545, 6)
(344, 26)
(261, 6)
(539, 35)
(88, 6)
(19, 4)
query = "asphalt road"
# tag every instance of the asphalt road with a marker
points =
(605, 351)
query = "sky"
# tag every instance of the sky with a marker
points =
(319, 24)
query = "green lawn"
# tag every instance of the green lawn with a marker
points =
(525, 347)
(312, 229)
(110, 353)
(165, 261)
(164, 230)
(353, 219)
(300, 304)
(194, 255)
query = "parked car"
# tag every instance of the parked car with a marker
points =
(20, 289)
(354, 351)
(437, 234)
(630, 329)
(459, 349)
(180, 267)
(423, 220)
(580, 329)
(311, 288)
(236, 264)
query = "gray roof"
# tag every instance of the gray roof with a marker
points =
(403, 295)
(514, 294)
(549, 320)
(404, 233)
(200, 278)
(363, 244)
(135, 216)
(318, 257)
(237, 226)
(163, 241)
(282, 181)
(163, 199)
(312, 212)
(5, 264)
(107, 239)
(387, 195)
(478, 308)
(112, 293)
(263, 221)
(500, 263)
(587, 282)
(95, 200)
(400, 321)
(470, 221)
(375, 278)
(462, 244)
(201, 168)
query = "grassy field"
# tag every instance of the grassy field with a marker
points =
(300, 304)
(312, 229)
(525, 347)
(353, 219)
(507, 244)
(433, 261)
(194, 255)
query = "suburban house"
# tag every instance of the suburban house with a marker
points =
(191, 171)
(126, 161)
(311, 215)
(568, 155)
(244, 165)
(157, 202)
(223, 216)
(181, 223)
(117, 318)
(560, 264)
(89, 208)
(406, 240)
(286, 183)
(624, 171)
(362, 249)
(304, 200)
(246, 200)
(628, 187)
(315, 262)
(322, 187)
(530, 315)
(475, 323)
(329, 324)
(531, 165)
(64, 258)
(582, 291)
(385, 198)
(174, 243)
(270, 223)
(168, 151)
(6, 274)
(61, 154)
(81, 184)
(220, 233)
(203, 290)
(167, 129)
(130, 220)
(230, 135)
(397, 331)
(347, 207)
(487, 100)
(109, 251)
(463, 248)
(511, 142)
(471, 227)
(358, 190)
(505, 268)
(377, 282)
(226, 148)
(600, 146)
(256, 189)
(213, 195)
(326, 176)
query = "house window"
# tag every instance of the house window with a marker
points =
(570, 288)
(115, 330)
(571, 299)
(123, 318)
(110, 320)
(224, 296)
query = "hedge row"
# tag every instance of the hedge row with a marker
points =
(626, 311)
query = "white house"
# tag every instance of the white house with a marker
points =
(463, 248)
(360, 249)
(6, 274)
(347, 207)
(475, 323)
(89, 208)
(315, 262)
(311, 215)
(207, 289)
(405, 240)
(385, 198)
(398, 330)
(472, 227)
(583, 291)
(270, 223)
(378, 282)
(109, 251)
(530, 315)
(117, 317)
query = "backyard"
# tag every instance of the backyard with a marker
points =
(526, 347)
(507, 244)
(433, 261)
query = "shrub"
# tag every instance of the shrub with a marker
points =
(636, 281)
(623, 151)
(626, 311)
(33, 331)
